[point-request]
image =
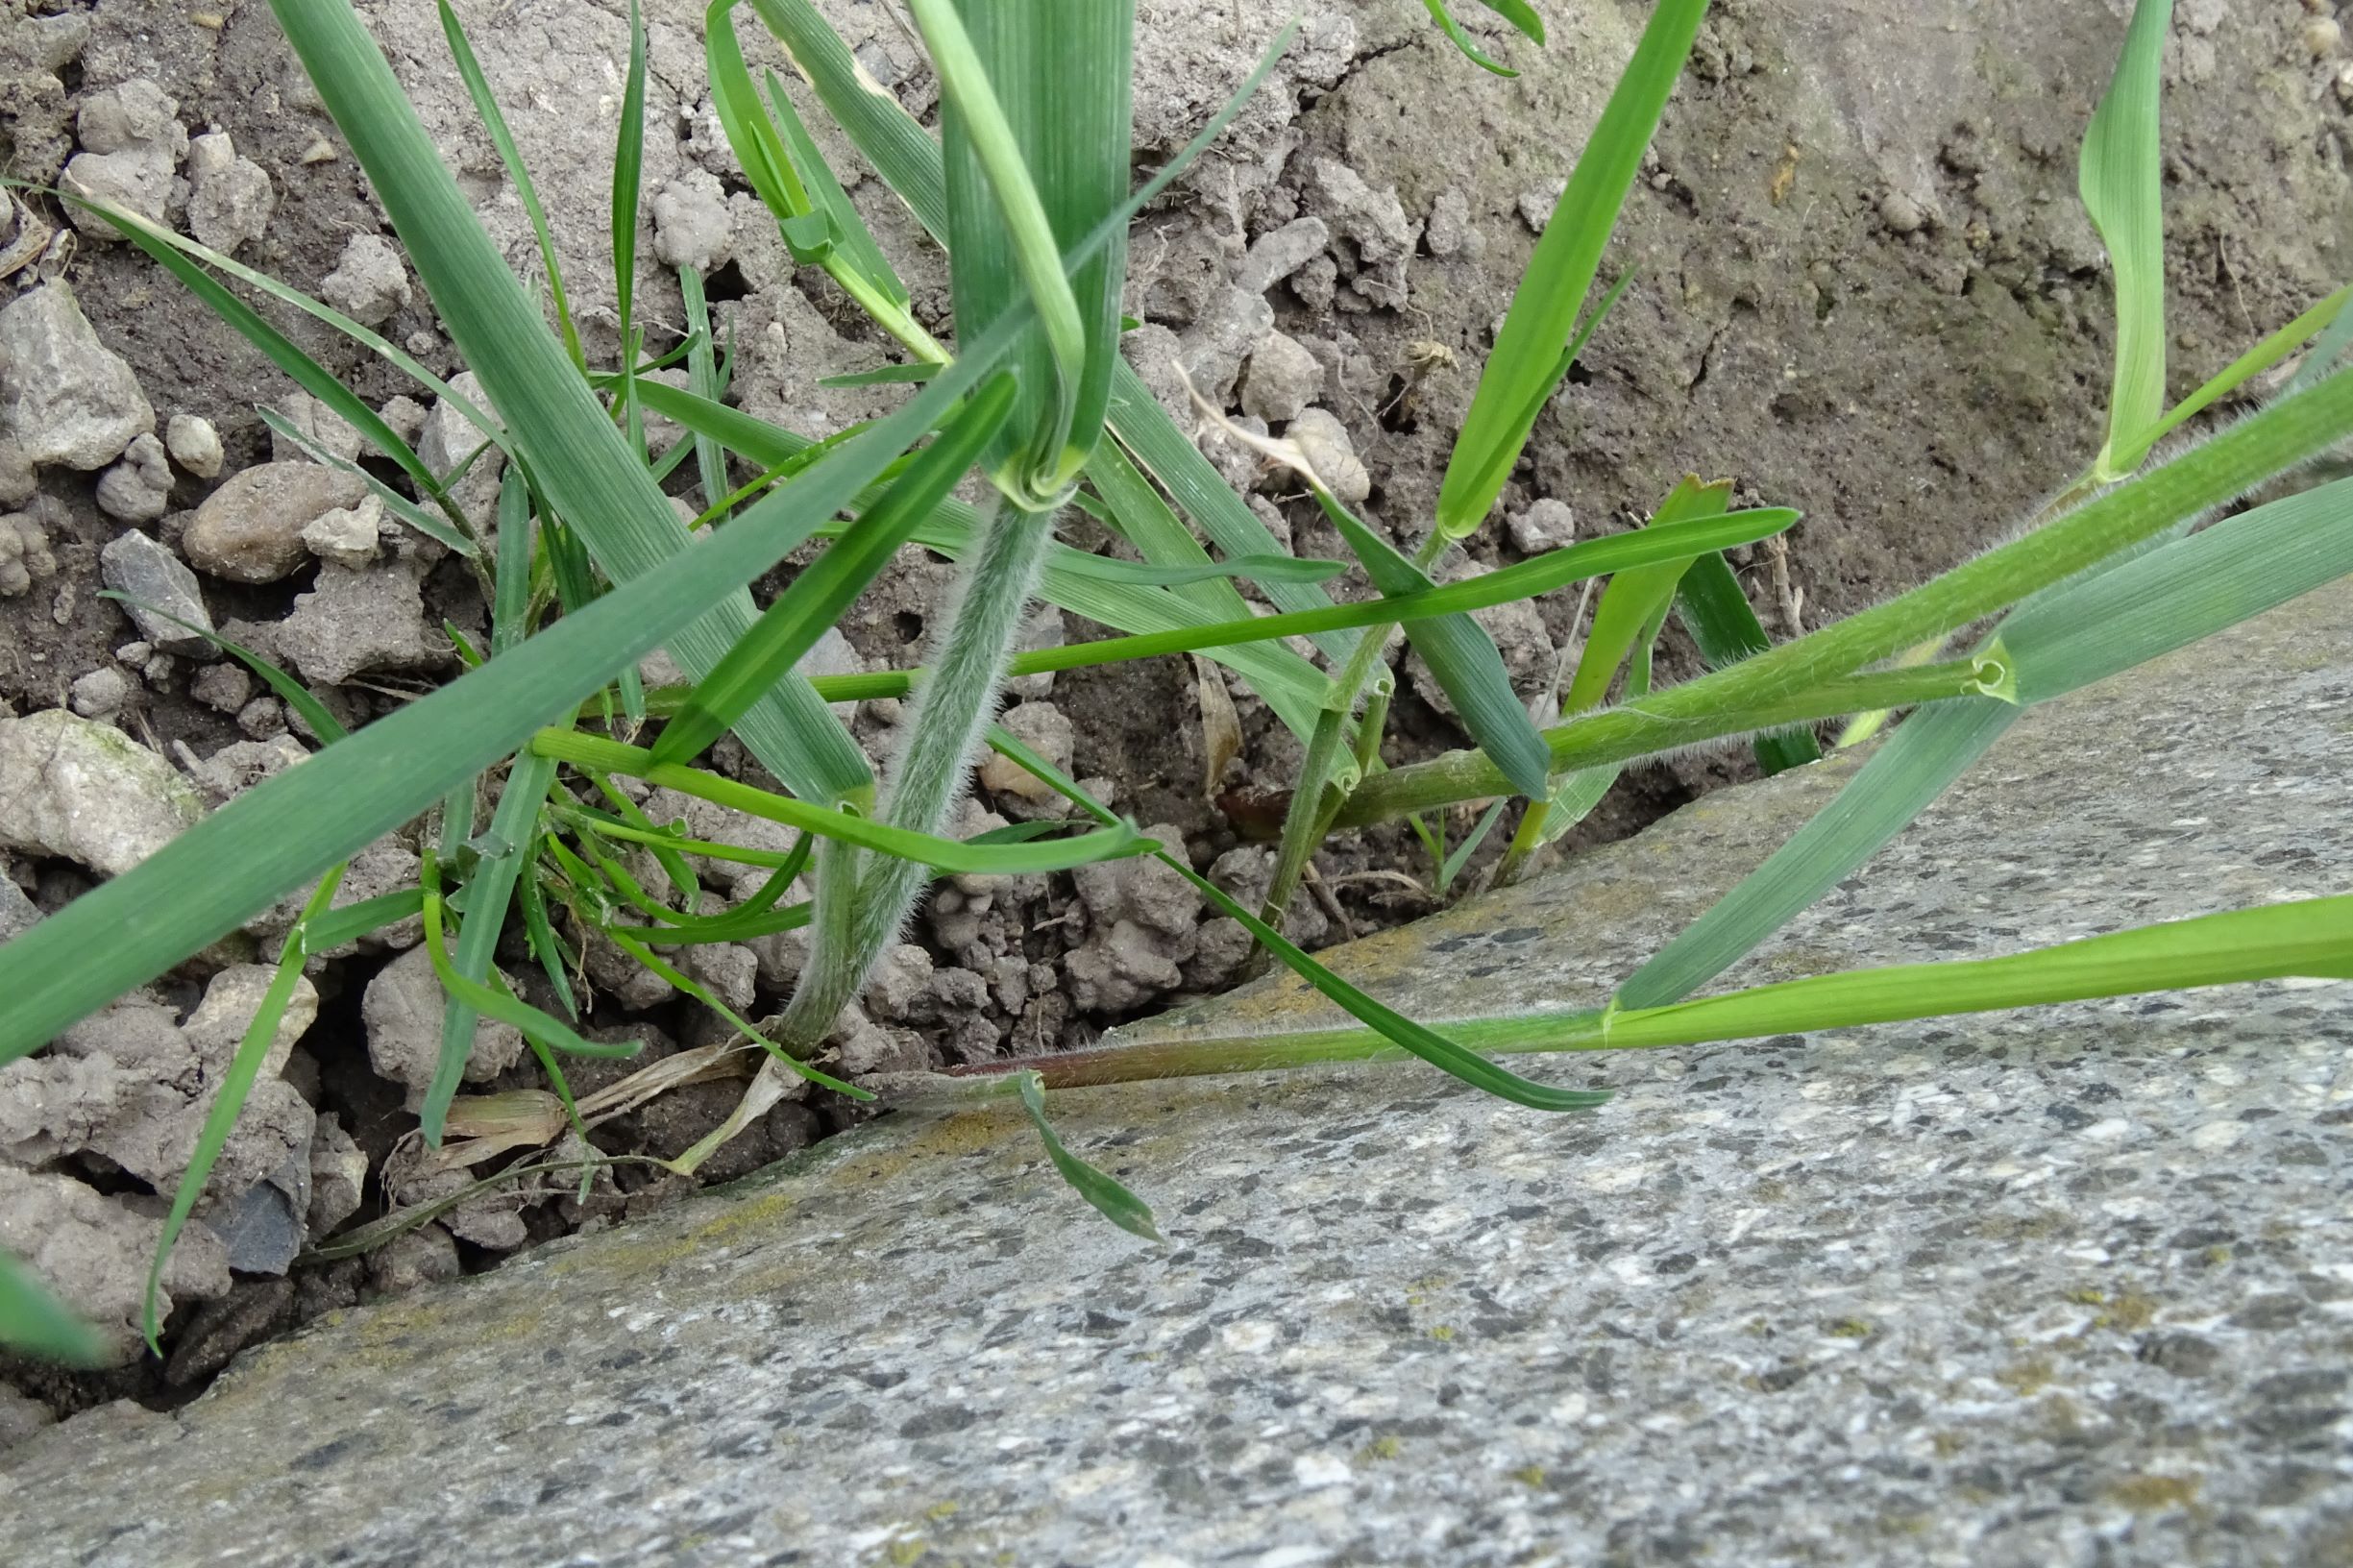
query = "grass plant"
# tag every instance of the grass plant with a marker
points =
(587, 570)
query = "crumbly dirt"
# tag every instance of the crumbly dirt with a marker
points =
(1862, 287)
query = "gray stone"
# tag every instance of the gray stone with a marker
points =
(1275, 255)
(1546, 524)
(2060, 1286)
(1284, 377)
(356, 620)
(1321, 437)
(24, 554)
(138, 488)
(265, 1226)
(131, 147)
(251, 529)
(369, 281)
(17, 912)
(194, 445)
(401, 1010)
(87, 792)
(136, 565)
(318, 424)
(691, 224)
(68, 398)
(1229, 330)
(231, 199)
(1449, 232)
(349, 536)
(93, 1250)
(100, 694)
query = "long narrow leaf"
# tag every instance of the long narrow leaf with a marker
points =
(582, 465)
(824, 590)
(291, 827)
(1468, 666)
(494, 121)
(1434, 1048)
(228, 1098)
(1560, 273)
(1108, 1196)
(2122, 182)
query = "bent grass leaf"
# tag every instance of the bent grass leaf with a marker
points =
(952, 856)
(1393, 1026)
(1465, 660)
(1112, 1199)
(229, 1099)
(35, 1323)
(2122, 182)
(1717, 614)
(1561, 272)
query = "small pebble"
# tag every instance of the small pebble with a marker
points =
(1900, 213)
(2322, 36)
(194, 445)
(101, 694)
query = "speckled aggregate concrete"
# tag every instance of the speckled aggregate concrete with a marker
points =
(2072, 1288)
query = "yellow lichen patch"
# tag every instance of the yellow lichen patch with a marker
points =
(1381, 1450)
(2027, 1377)
(1848, 1327)
(2129, 1313)
(1528, 1475)
(2154, 1494)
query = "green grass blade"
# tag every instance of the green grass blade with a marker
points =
(2326, 353)
(277, 348)
(488, 893)
(229, 1099)
(1079, 582)
(1915, 765)
(293, 692)
(1560, 273)
(850, 235)
(705, 380)
(1520, 14)
(1032, 168)
(2120, 179)
(908, 161)
(1572, 563)
(1114, 1201)
(511, 596)
(1148, 523)
(366, 337)
(1465, 660)
(950, 856)
(496, 1002)
(583, 467)
(334, 927)
(1636, 596)
(291, 827)
(2182, 592)
(486, 108)
(1432, 1047)
(823, 591)
(1462, 41)
(1717, 614)
(628, 178)
(36, 1324)
(2309, 937)
(399, 506)
(2329, 318)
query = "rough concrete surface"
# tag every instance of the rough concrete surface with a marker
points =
(2065, 1287)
